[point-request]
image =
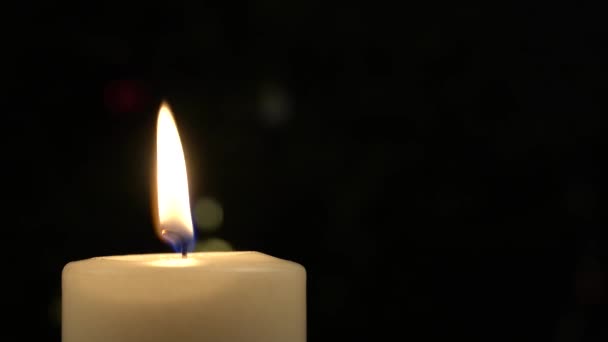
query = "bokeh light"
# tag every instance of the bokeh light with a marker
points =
(274, 105)
(208, 214)
(213, 245)
(125, 96)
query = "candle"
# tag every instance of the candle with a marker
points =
(184, 297)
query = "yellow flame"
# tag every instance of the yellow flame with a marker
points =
(174, 218)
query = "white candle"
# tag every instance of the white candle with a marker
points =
(227, 296)
(223, 296)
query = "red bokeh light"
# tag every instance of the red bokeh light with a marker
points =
(125, 96)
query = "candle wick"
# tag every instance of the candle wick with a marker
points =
(184, 250)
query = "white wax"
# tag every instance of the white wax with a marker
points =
(207, 297)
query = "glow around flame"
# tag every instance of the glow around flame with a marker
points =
(174, 219)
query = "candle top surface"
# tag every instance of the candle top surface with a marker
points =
(201, 262)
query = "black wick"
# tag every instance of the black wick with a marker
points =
(184, 250)
(177, 241)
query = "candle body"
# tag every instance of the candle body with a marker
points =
(223, 296)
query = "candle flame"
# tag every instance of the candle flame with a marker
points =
(174, 223)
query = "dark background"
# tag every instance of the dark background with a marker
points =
(437, 168)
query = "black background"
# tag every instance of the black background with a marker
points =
(438, 168)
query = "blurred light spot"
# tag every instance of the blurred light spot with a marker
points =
(590, 281)
(125, 96)
(213, 245)
(55, 310)
(274, 105)
(590, 287)
(208, 214)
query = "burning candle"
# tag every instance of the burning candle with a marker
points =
(185, 297)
